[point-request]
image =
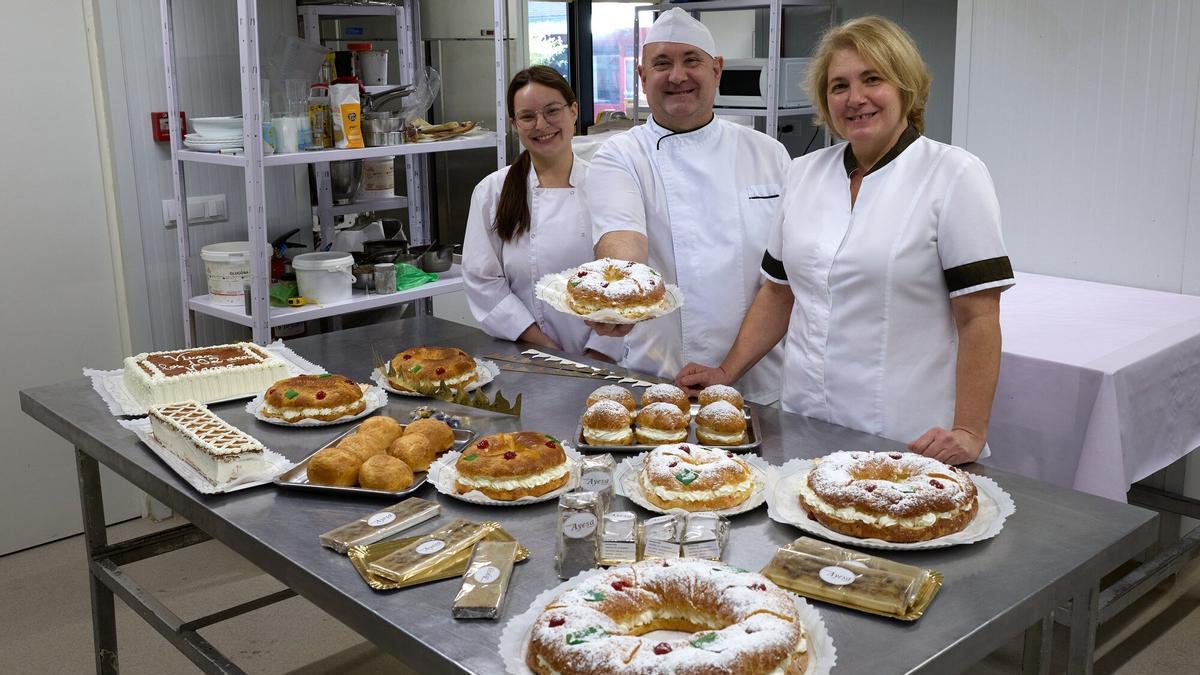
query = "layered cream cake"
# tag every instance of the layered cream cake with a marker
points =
(219, 451)
(202, 374)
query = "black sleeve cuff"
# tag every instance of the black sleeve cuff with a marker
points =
(980, 273)
(773, 268)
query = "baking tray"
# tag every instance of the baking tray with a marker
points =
(753, 442)
(297, 476)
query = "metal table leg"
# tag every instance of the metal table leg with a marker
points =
(1085, 614)
(1039, 644)
(104, 619)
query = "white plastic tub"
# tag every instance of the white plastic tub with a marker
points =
(227, 265)
(324, 277)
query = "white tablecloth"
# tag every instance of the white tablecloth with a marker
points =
(1099, 384)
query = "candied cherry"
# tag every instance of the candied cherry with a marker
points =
(662, 648)
(728, 453)
(758, 587)
(320, 395)
(685, 449)
(510, 455)
(869, 488)
(895, 455)
(407, 357)
(549, 444)
(936, 483)
(581, 274)
(440, 371)
(604, 285)
(556, 621)
(619, 585)
(673, 464)
(482, 445)
(270, 392)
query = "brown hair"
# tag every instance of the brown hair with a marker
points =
(887, 47)
(512, 213)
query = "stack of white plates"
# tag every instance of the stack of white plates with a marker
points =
(212, 143)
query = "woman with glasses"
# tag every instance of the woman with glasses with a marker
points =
(530, 219)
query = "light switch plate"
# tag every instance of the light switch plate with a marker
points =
(201, 209)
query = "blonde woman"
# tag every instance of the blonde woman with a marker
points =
(886, 265)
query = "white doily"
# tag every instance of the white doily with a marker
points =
(276, 463)
(552, 290)
(486, 372)
(514, 639)
(628, 472)
(110, 384)
(444, 475)
(783, 506)
(375, 398)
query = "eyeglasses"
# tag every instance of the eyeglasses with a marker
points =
(527, 119)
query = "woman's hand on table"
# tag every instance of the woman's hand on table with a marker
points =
(956, 446)
(694, 377)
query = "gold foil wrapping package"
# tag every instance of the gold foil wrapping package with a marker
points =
(618, 538)
(851, 579)
(380, 525)
(447, 562)
(578, 519)
(596, 475)
(485, 583)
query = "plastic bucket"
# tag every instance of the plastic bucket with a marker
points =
(227, 265)
(373, 66)
(324, 277)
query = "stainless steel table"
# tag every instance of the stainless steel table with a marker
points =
(1053, 550)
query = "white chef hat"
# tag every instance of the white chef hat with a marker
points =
(677, 25)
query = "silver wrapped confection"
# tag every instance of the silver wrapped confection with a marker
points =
(660, 537)
(578, 521)
(618, 538)
(705, 535)
(596, 475)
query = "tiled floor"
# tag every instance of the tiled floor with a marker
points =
(46, 619)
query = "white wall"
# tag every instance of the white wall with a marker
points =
(60, 297)
(1086, 113)
(207, 64)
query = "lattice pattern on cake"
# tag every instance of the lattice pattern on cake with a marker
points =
(212, 434)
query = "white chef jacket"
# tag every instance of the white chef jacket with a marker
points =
(706, 200)
(872, 342)
(499, 276)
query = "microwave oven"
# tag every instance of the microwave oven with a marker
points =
(744, 83)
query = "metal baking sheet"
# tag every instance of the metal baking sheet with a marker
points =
(753, 442)
(297, 476)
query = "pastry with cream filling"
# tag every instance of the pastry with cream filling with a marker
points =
(660, 423)
(695, 478)
(509, 466)
(313, 397)
(719, 423)
(607, 422)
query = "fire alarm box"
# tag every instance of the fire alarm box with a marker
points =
(159, 127)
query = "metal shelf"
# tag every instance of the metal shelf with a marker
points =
(448, 282)
(763, 112)
(212, 158)
(379, 204)
(484, 140)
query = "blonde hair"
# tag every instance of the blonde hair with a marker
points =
(889, 49)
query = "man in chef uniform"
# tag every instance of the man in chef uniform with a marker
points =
(694, 197)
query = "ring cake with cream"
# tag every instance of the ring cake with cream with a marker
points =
(632, 289)
(695, 478)
(218, 450)
(313, 397)
(509, 466)
(203, 374)
(425, 368)
(893, 496)
(740, 622)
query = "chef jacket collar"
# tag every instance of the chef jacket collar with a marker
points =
(698, 135)
(907, 137)
(578, 173)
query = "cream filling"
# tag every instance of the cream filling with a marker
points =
(531, 481)
(293, 413)
(695, 495)
(218, 465)
(450, 381)
(658, 435)
(204, 385)
(884, 520)
(726, 439)
(608, 436)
